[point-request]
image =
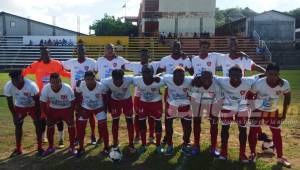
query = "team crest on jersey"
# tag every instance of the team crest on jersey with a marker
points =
(114, 64)
(63, 97)
(242, 92)
(97, 95)
(211, 93)
(278, 92)
(26, 94)
(209, 63)
(86, 68)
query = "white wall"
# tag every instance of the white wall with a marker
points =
(190, 22)
(187, 5)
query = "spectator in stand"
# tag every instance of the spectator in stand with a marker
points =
(170, 35)
(195, 35)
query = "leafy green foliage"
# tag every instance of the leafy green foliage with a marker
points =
(109, 25)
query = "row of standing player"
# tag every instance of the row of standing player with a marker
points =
(105, 65)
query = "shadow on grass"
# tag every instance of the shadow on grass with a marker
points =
(147, 161)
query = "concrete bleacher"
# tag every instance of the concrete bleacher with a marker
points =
(13, 54)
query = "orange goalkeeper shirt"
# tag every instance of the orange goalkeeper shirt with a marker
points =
(42, 71)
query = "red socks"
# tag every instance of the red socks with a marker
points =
(136, 126)
(81, 125)
(92, 120)
(197, 131)
(252, 138)
(277, 139)
(71, 131)
(103, 132)
(50, 136)
(151, 126)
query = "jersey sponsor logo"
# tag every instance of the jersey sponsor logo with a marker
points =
(86, 68)
(98, 95)
(114, 64)
(242, 92)
(209, 63)
(211, 93)
(63, 97)
(26, 94)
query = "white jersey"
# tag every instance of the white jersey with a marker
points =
(119, 93)
(22, 97)
(105, 66)
(148, 93)
(169, 64)
(136, 68)
(78, 69)
(226, 62)
(178, 95)
(92, 99)
(207, 96)
(60, 100)
(235, 97)
(207, 64)
(268, 97)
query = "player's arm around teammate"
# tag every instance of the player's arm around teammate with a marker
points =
(205, 101)
(57, 102)
(150, 104)
(89, 98)
(268, 91)
(178, 106)
(235, 109)
(23, 99)
(120, 102)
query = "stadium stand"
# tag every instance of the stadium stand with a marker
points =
(13, 54)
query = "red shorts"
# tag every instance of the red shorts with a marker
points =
(121, 106)
(204, 110)
(21, 113)
(57, 115)
(178, 112)
(86, 114)
(228, 117)
(136, 104)
(271, 119)
(152, 109)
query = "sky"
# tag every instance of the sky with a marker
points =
(66, 12)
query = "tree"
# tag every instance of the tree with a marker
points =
(295, 13)
(109, 25)
(231, 14)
